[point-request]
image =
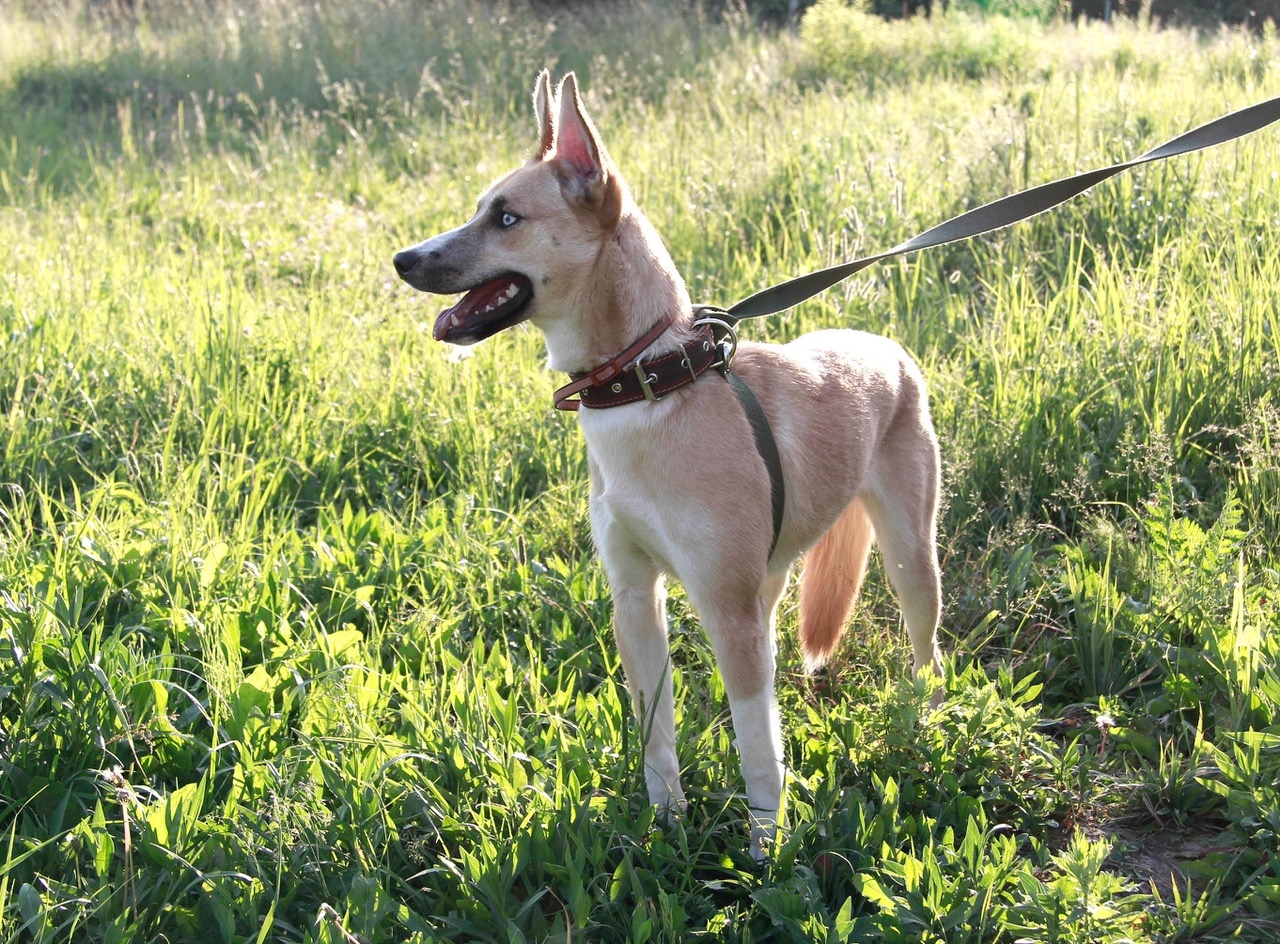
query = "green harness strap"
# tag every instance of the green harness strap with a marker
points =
(767, 446)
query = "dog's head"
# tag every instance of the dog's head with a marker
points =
(535, 234)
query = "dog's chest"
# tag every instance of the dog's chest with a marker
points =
(625, 449)
(635, 472)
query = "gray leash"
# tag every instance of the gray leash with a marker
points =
(984, 219)
(1003, 212)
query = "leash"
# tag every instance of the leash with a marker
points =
(1003, 212)
(624, 379)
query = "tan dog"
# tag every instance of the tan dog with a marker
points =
(677, 485)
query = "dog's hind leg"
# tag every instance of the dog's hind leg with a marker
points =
(744, 651)
(902, 504)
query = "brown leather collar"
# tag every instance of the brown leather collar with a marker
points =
(623, 380)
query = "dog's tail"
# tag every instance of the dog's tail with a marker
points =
(832, 577)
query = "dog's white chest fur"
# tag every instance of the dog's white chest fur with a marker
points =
(630, 490)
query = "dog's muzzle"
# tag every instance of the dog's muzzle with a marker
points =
(491, 303)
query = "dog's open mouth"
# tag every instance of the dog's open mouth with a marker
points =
(485, 310)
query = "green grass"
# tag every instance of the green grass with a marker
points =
(301, 633)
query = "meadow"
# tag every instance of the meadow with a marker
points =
(302, 638)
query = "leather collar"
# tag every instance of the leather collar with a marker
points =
(623, 379)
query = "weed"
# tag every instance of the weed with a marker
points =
(301, 635)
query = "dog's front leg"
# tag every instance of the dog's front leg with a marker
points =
(640, 627)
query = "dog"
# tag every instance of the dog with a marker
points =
(677, 488)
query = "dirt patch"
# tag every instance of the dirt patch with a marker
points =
(1166, 857)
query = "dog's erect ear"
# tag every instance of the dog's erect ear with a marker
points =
(579, 160)
(544, 107)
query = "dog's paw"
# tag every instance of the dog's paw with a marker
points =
(764, 832)
(670, 808)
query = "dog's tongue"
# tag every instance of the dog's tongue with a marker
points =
(473, 306)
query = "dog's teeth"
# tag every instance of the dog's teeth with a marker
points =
(512, 290)
(453, 320)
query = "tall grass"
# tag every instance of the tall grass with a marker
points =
(301, 634)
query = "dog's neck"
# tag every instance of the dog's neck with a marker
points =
(633, 285)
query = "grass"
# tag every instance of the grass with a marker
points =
(301, 634)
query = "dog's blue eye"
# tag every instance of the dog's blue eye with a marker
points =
(507, 220)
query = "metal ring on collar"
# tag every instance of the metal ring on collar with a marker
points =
(725, 334)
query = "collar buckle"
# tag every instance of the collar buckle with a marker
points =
(646, 379)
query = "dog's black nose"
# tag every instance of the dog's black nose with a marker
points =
(404, 261)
